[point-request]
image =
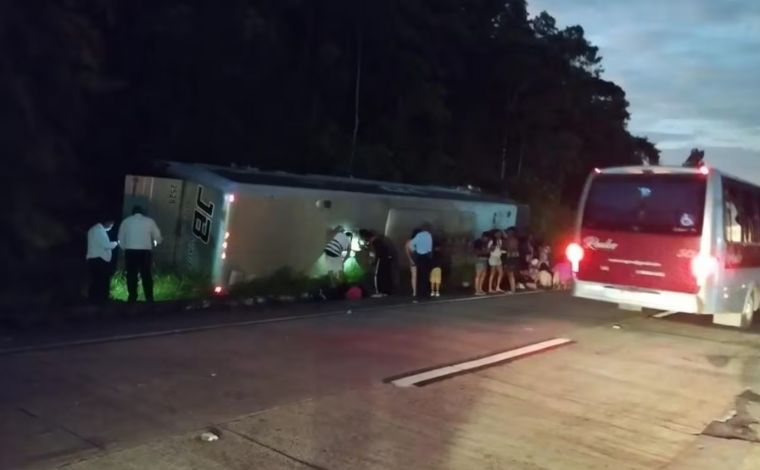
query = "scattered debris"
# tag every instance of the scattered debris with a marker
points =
(719, 360)
(208, 436)
(617, 327)
(737, 424)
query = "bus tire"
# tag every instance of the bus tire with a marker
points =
(741, 320)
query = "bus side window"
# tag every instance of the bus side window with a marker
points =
(731, 218)
(753, 216)
(742, 213)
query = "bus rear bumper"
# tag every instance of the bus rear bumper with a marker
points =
(654, 299)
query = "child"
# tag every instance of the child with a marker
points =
(436, 274)
(547, 278)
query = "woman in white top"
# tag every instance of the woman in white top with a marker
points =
(495, 249)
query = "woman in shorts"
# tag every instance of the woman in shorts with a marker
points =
(480, 251)
(495, 250)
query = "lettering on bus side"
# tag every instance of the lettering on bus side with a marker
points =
(203, 217)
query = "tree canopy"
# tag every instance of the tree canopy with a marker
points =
(421, 91)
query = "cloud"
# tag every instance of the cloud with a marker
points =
(690, 69)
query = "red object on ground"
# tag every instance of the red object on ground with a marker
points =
(354, 293)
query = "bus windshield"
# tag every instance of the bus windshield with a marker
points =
(666, 204)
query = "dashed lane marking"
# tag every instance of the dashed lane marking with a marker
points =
(424, 377)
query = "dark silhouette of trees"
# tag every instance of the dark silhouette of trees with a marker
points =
(450, 92)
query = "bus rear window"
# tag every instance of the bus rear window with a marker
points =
(667, 204)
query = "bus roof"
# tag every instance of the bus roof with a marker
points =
(667, 170)
(651, 169)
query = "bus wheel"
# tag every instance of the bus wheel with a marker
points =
(750, 306)
(739, 320)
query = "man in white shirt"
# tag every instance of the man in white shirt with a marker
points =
(99, 254)
(138, 234)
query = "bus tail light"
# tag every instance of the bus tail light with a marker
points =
(703, 266)
(574, 253)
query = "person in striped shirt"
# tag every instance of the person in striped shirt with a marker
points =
(335, 252)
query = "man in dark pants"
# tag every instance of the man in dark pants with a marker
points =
(422, 251)
(385, 258)
(138, 235)
(99, 254)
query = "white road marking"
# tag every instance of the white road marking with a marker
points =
(664, 314)
(476, 363)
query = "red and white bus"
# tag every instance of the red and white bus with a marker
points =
(670, 238)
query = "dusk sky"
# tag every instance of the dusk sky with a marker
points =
(690, 69)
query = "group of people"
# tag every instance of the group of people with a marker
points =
(423, 253)
(138, 235)
(523, 263)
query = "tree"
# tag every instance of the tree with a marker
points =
(451, 92)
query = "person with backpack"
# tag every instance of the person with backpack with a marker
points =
(335, 252)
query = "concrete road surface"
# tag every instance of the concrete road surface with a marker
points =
(629, 392)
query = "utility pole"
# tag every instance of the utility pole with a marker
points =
(357, 89)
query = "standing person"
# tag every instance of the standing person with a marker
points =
(436, 273)
(412, 266)
(422, 249)
(480, 251)
(335, 252)
(512, 262)
(384, 260)
(99, 255)
(495, 250)
(138, 234)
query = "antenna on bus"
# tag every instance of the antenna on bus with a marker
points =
(696, 159)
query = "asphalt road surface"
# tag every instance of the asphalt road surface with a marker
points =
(539, 381)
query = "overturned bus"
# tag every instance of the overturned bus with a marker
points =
(235, 224)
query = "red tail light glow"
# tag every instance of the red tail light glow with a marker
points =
(704, 170)
(218, 290)
(574, 253)
(703, 266)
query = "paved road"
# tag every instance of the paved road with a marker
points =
(630, 392)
